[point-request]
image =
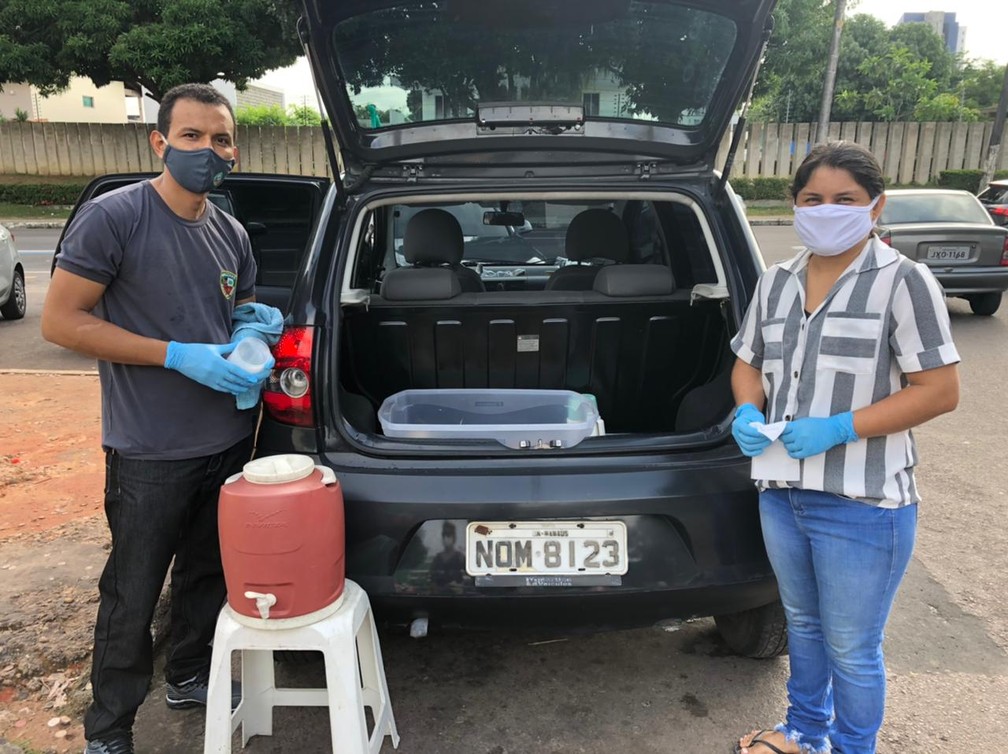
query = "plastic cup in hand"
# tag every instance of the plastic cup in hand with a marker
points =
(251, 354)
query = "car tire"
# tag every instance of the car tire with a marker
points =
(17, 304)
(984, 304)
(760, 633)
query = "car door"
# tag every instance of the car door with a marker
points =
(277, 211)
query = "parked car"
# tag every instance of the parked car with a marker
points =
(995, 199)
(13, 300)
(951, 233)
(647, 266)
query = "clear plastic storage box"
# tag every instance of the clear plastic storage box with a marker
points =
(519, 419)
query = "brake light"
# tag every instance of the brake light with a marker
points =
(287, 393)
(1003, 211)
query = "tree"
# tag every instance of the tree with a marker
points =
(979, 85)
(151, 43)
(791, 79)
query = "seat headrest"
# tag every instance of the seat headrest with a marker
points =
(596, 233)
(420, 284)
(635, 280)
(433, 236)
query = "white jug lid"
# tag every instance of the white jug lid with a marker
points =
(277, 469)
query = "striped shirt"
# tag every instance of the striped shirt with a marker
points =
(885, 317)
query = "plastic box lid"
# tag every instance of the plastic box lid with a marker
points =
(519, 419)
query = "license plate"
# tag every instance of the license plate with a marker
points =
(560, 548)
(948, 253)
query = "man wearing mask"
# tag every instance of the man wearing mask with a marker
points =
(146, 281)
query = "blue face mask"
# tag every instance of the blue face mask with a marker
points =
(197, 170)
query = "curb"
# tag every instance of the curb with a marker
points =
(771, 221)
(33, 224)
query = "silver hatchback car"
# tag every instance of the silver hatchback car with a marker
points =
(13, 301)
(952, 233)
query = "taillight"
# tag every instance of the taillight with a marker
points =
(1004, 253)
(1003, 211)
(287, 393)
(886, 239)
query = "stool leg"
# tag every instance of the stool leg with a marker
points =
(219, 727)
(372, 671)
(258, 692)
(346, 709)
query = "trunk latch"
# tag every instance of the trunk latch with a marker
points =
(645, 169)
(412, 173)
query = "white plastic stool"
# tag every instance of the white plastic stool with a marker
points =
(355, 677)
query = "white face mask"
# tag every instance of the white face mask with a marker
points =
(831, 229)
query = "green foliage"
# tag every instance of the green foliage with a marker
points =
(966, 180)
(979, 85)
(261, 115)
(41, 194)
(274, 115)
(790, 81)
(756, 189)
(883, 74)
(20, 115)
(944, 107)
(304, 115)
(154, 43)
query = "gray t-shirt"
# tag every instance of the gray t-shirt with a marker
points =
(171, 279)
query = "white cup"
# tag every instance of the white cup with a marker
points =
(251, 354)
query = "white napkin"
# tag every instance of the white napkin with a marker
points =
(774, 464)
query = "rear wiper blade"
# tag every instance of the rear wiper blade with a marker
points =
(530, 117)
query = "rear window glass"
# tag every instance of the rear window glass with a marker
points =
(933, 208)
(994, 195)
(538, 235)
(430, 61)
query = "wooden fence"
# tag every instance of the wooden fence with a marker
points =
(910, 153)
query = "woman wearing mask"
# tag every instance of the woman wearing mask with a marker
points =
(849, 343)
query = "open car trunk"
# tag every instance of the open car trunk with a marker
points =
(656, 358)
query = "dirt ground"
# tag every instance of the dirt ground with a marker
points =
(53, 542)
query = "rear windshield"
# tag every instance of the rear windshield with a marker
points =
(430, 61)
(938, 207)
(994, 194)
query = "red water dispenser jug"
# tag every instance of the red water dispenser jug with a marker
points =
(282, 540)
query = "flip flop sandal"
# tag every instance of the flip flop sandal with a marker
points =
(756, 740)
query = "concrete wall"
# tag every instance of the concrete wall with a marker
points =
(909, 152)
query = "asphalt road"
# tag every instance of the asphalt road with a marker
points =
(676, 688)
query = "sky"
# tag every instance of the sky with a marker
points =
(986, 23)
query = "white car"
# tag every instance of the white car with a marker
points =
(13, 302)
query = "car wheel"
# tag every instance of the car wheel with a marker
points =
(984, 304)
(759, 633)
(17, 304)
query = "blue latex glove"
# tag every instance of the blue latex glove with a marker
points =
(811, 436)
(255, 320)
(748, 438)
(207, 364)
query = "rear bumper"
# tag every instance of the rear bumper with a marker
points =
(694, 541)
(972, 280)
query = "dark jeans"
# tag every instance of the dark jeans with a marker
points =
(156, 511)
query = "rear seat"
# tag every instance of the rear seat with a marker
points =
(634, 341)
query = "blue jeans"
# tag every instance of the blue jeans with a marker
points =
(838, 564)
(156, 511)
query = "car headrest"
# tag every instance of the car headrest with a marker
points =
(635, 280)
(433, 236)
(596, 233)
(420, 284)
